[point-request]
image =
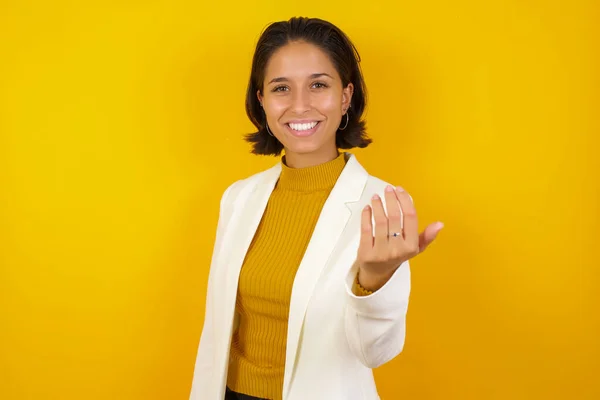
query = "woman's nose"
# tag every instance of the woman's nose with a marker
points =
(301, 101)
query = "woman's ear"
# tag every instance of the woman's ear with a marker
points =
(347, 93)
(259, 97)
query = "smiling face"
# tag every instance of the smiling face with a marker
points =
(304, 101)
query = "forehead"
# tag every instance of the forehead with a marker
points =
(299, 60)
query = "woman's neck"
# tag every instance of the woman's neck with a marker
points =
(304, 160)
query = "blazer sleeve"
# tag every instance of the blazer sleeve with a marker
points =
(376, 324)
(204, 358)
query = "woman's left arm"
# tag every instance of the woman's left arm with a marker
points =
(376, 322)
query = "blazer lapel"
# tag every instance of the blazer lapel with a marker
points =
(248, 210)
(334, 216)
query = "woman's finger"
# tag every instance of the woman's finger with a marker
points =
(394, 214)
(366, 231)
(429, 234)
(410, 222)
(381, 226)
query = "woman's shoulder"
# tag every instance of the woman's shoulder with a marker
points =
(372, 184)
(241, 185)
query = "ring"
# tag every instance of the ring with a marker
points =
(395, 234)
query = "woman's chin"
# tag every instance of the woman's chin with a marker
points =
(302, 148)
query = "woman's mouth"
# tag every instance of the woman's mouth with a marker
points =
(303, 129)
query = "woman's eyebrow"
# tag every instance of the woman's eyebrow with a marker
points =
(312, 76)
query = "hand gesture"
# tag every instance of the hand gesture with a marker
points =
(396, 237)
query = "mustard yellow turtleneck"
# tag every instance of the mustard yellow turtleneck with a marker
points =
(257, 357)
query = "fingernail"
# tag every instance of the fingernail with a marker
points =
(400, 188)
(389, 188)
(439, 225)
(375, 197)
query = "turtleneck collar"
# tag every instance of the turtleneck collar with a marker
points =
(309, 179)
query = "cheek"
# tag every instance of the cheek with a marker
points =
(275, 108)
(329, 104)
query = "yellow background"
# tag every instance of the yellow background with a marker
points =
(121, 124)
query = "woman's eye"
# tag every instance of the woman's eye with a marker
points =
(319, 85)
(280, 89)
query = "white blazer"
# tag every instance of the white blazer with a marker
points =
(334, 337)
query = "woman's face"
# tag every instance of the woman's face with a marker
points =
(304, 101)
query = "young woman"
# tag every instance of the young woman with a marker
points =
(309, 281)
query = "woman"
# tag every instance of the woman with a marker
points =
(309, 281)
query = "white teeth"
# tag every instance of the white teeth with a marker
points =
(303, 127)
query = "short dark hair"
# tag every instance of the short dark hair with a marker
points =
(345, 59)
